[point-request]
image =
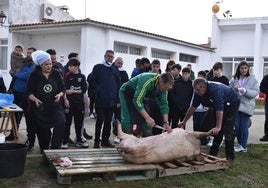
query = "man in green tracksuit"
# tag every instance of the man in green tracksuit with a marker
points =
(132, 95)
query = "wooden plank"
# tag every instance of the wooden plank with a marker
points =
(170, 165)
(64, 180)
(209, 161)
(198, 162)
(103, 169)
(210, 157)
(185, 164)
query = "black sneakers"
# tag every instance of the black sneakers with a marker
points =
(29, 145)
(264, 138)
(107, 145)
(96, 145)
(10, 137)
(88, 137)
(70, 141)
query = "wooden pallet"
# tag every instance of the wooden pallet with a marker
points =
(205, 163)
(107, 164)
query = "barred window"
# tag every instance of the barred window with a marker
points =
(135, 50)
(127, 49)
(3, 54)
(161, 54)
(188, 58)
(121, 48)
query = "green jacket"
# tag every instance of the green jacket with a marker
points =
(142, 84)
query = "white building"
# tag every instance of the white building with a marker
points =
(30, 25)
(40, 24)
(241, 39)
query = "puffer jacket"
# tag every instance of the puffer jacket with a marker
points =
(247, 100)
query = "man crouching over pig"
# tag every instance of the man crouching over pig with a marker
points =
(225, 102)
(132, 95)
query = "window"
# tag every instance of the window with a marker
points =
(230, 64)
(265, 66)
(161, 54)
(127, 49)
(188, 58)
(121, 48)
(3, 54)
(135, 50)
(227, 59)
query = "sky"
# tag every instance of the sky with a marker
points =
(187, 20)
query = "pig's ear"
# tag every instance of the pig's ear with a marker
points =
(200, 134)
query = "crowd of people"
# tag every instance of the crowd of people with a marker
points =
(52, 95)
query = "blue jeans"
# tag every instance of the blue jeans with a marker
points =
(241, 128)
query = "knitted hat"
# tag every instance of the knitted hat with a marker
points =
(40, 57)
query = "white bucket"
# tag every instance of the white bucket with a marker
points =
(2, 138)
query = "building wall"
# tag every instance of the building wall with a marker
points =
(241, 38)
(31, 11)
(90, 41)
(234, 43)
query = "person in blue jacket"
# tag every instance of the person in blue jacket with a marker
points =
(225, 102)
(105, 79)
(19, 87)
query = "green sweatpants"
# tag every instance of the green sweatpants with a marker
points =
(127, 115)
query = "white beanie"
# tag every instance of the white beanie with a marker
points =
(39, 57)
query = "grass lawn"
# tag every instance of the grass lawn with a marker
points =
(248, 170)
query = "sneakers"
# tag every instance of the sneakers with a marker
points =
(107, 145)
(96, 145)
(83, 139)
(210, 142)
(88, 137)
(240, 148)
(65, 146)
(30, 146)
(91, 116)
(116, 140)
(10, 137)
(81, 145)
(264, 138)
(70, 141)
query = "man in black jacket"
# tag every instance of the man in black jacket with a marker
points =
(264, 89)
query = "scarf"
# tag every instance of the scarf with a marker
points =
(107, 64)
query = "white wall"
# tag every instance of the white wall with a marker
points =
(234, 44)
(241, 37)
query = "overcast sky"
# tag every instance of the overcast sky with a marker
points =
(188, 20)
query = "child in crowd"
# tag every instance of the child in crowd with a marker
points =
(217, 74)
(181, 96)
(76, 86)
(17, 59)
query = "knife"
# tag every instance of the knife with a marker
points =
(159, 127)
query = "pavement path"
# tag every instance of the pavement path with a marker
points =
(256, 131)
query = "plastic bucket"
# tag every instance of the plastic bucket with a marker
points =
(12, 159)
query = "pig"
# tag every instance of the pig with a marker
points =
(177, 145)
